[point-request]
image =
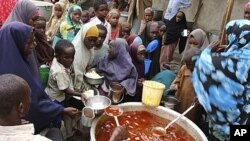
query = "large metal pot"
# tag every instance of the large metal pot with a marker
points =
(163, 112)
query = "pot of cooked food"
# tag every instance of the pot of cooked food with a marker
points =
(140, 120)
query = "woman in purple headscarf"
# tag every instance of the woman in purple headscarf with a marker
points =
(118, 67)
(16, 41)
(137, 52)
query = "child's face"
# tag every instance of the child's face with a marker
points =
(247, 13)
(66, 57)
(76, 16)
(40, 26)
(179, 17)
(154, 33)
(85, 17)
(141, 56)
(58, 11)
(125, 33)
(102, 11)
(162, 30)
(101, 38)
(148, 16)
(29, 45)
(90, 42)
(193, 42)
(111, 49)
(91, 12)
(114, 20)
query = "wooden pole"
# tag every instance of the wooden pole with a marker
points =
(226, 18)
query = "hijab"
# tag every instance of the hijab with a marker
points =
(134, 48)
(23, 11)
(13, 37)
(83, 55)
(174, 30)
(200, 36)
(221, 80)
(119, 68)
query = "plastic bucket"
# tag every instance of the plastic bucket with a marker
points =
(152, 93)
(147, 63)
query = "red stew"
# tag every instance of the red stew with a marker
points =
(113, 111)
(140, 124)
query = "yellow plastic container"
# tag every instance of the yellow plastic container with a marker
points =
(152, 92)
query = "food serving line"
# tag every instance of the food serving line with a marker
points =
(141, 118)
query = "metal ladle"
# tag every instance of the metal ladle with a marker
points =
(114, 111)
(160, 131)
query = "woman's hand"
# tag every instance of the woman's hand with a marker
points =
(140, 81)
(173, 87)
(70, 111)
(215, 46)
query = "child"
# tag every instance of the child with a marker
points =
(91, 12)
(101, 48)
(113, 18)
(185, 92)
(101, 11)
(15, 98)
(137, 52)
(44, 51)
(60, 84)
(72, 24)
(85, 16)
(125, 30)
(55, 21)
(148, 16)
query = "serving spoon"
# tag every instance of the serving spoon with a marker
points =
(114, 111)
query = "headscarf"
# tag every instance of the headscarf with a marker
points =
(54, 23)
(69, 28)
(200, 36)
(44, 51)
(120, 68)
(221, 80)
(112, 12)
(23, 11)
(133, 38)
(174, 30)
(133, 50)
(247, 5)
(13, 37)
(83, 56)
(92, 32)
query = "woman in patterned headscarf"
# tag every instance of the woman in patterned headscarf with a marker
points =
(221, 81)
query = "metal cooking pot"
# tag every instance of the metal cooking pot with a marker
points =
(190, 127)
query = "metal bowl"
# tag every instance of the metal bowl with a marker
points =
(98, 103)
(94, 81)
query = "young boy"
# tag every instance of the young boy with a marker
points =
(15, 99)
(148, 16)
(60, 84)
(101, 11)
(125, 30)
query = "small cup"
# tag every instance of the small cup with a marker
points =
(88, 116)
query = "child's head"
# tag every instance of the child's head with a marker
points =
(125, 30)
(193, 43)
(39, 24)
(64, 53)
(15, 98)
(91, 12)
(101, 9)
(148, 15)
(137, 51)
(162, 28)
(75, 13)
(58, 9)
(247, 11)
(179, 16)
(187, 57)
(91, 37)
(102, 35)
(85, 16)
(154, 30)
(113, 17)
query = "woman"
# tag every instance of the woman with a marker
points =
(24, 11)
(118, 67)
(172, 36)
(16, 41)
(221, 81)
(84, 42)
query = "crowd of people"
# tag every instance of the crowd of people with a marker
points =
(76, 39)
